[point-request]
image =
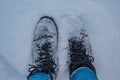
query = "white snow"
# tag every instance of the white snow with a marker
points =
(18, 19)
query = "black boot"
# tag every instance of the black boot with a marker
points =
(44, 47)
(79, 52)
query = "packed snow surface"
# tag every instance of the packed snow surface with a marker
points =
(18, 19)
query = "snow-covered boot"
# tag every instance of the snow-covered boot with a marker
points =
(80, 52)
(44, 47)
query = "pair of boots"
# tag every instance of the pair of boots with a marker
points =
(45, 45)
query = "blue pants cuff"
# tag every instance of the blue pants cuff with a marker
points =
(40, 76)
(83, 73)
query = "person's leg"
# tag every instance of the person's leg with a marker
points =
(80, 55)
(39, 76)
(44, 48)
(83, 73)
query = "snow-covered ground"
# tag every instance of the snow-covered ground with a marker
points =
(18, 19)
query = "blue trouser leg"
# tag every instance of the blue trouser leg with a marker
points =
(39, 76)
(83, 73)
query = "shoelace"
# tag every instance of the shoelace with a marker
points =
(45, 60)
(84, 58)
(78, 52)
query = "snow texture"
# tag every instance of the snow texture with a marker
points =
(18, 19)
